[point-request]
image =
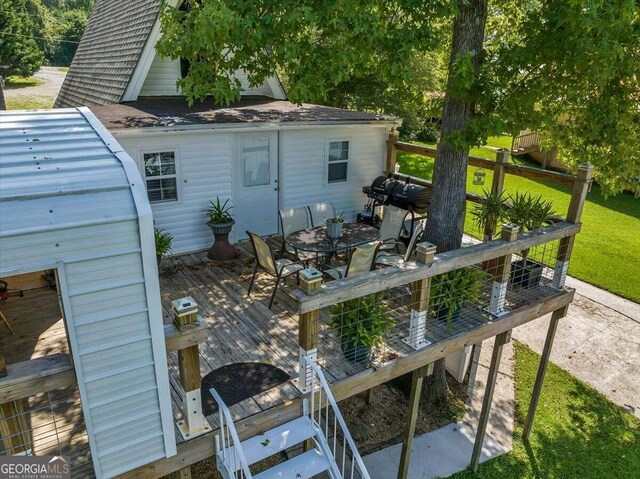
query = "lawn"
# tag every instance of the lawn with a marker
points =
(26, 100)
(578, 433)
(607, 250)
(14, 82)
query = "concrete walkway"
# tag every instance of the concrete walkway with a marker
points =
(448, 450)
(598, 342)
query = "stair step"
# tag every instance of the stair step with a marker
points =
(303, 466)
(275, 440)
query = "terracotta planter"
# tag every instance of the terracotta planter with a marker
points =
(221, 250)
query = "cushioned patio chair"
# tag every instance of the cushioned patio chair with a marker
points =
(362, 260)
(280, 269)
(319, 212)
(396, 259)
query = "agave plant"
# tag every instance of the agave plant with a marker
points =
(489, 213)
(219, 213)
(529, 213)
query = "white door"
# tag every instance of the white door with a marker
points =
(256, 184)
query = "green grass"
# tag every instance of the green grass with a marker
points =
(578, 433)
(607, 249)
(14, 82)
(62, 69)
(30, 102)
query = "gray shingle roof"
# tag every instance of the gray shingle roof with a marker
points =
(108, 53)
(174, 112)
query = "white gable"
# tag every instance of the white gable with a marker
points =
(164, 72)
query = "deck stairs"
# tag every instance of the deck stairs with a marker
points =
(330, 451)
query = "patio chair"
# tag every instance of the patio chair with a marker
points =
(280, 269)
(391, 227)
(395, 259)
(319, 212)
(292, 220)
(361, 261)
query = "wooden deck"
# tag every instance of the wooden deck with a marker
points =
(241, 329)
(52, 422)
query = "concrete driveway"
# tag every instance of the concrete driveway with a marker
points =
(598, 342)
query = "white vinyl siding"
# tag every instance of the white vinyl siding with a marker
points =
(164, 73)
(82, 217)
(304, 166)
(205, 172)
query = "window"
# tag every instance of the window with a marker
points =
(338, 161)
(160, 174)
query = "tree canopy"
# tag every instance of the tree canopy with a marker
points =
(19, 50)
(566, 68)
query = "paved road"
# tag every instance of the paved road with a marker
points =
(52, 77)
(598, 342)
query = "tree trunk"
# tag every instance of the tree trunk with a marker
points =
(3, 105)
(445, 223)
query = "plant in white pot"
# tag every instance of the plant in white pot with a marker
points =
(221, 222)
(334, 226)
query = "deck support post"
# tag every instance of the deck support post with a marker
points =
(390, 164)
(473, 371)
(581, 187)
(420, 290)
(501, 274)
(310, 282)
(3, 367)
(417, 378)
(500, 341)
(556, 316)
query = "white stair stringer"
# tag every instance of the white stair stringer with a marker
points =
(331, 449)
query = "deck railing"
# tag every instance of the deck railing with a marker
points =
(523, 142)
(329, 422)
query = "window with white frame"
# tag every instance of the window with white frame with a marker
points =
(337, 160)
(160, 175)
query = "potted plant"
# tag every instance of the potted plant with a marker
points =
(529, 213)
(334, 226)
(361, 324)
(164, 240)
(488, 214)
(450, 290)
(221, 222)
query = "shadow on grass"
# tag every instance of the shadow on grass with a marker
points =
(578, 433)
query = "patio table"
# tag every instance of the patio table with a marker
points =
(316, 240)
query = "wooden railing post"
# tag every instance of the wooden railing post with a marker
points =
(420, 290)
(187, 321)
(3, 367)
(578, 198)
(497, 186)
(501, 274)
(390, 164)
(310, 282)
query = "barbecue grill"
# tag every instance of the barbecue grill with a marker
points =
(390, 191)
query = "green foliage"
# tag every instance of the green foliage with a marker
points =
(219, 213)
(449, 290)
(375, 55)
(339, 218)
(19, 51)
(529, 212)
(65, 30)
(164, 240)
(363, 321)
(578, 433)
(488, 214)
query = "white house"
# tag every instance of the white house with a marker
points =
(72, 201)
(263, 153)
